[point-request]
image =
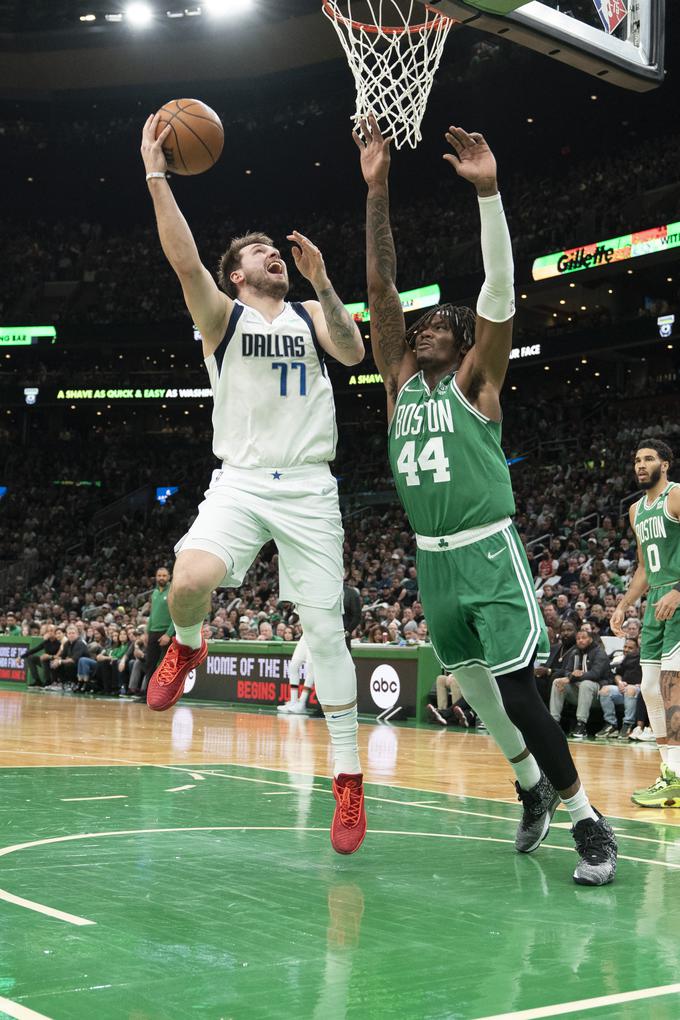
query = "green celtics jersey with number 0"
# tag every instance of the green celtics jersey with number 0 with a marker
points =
(450, 471)
(658, 535)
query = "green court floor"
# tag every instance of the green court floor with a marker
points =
(154, 892)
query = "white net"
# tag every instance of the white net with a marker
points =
(393, 55)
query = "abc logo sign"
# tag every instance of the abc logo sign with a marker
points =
(190, 681)
(385, 686)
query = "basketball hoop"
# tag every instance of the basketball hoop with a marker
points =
(393, 59)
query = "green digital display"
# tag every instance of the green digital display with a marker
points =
(411, 301)
(24, 336)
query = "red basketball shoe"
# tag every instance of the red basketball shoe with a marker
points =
(166, 686)
(349, 820)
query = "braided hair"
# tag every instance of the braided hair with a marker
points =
(460, 320)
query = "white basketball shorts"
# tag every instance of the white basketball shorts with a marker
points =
(296, 507)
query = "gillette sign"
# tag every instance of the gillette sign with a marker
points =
(605, 253)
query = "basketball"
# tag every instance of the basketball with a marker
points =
(196, 137)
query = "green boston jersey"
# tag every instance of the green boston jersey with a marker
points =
(450, 471)
(658, 535)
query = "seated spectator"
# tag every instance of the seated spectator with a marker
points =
(565, 639)
(393, 635)
(12, 626)
(422, 634)
(126, 642)
(109, 658)
(87, 664)
(65, 663)
(451, 707)
(584, 670)
(376, 635)
(632, 628)
(39, 656)
(624, 691)
(265, 632)
(137, 678)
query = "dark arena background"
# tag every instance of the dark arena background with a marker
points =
(219, 895)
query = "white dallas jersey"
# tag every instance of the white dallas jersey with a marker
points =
(273, 400)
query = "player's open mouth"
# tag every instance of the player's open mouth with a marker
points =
(275, 268)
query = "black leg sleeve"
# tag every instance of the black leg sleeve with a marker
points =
(544, 737)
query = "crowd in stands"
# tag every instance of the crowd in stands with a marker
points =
(572, 494)
(123, 276)
(105, 240)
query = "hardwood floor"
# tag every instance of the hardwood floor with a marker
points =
(48, 729)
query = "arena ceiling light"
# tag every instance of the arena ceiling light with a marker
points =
(138, 14)
(219, 8)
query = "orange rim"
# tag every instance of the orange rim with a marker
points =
(438, 20)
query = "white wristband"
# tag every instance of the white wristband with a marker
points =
(156, 173)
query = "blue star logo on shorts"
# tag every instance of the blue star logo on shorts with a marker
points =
(276, 475)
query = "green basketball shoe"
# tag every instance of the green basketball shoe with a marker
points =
(665, 792)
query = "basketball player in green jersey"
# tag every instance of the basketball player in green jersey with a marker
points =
(655, 519)
(443, 380)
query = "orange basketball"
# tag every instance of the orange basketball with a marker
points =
(196, 137)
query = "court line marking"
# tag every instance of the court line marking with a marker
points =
(41, 908)
(73, 919)
(176, 789)
(111, 796)
(432, 807)
(127, 762)
(562, 1008)
(19, 1012)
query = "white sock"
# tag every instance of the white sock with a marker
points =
(673, 759)
(579, 807)
(527, 772)
(343, 728)
(663, 751)
(190, 636)
(304, 694)
(293, 695)
(650, 689)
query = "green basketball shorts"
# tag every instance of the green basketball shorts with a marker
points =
(660, 642)
(479, 600)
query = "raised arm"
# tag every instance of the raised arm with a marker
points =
(336, 330)
(483, 371)
(394, 360)
(209, 307)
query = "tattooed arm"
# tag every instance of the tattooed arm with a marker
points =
(394, 360)
(335, 329)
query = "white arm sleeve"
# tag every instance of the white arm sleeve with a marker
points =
(496, 300)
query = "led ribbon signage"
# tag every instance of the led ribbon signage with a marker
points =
(605, 253)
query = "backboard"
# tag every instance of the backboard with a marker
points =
(619, 41)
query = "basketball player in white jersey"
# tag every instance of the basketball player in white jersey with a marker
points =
(275, 432)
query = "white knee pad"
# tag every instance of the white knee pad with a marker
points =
(334, 673)
(480, 690)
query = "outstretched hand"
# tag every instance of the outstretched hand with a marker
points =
(375, 150)
(308, 259)
(473, 159)
(152, 147)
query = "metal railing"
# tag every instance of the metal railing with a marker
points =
(541, 538)
(625, 503)
(588, 517)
